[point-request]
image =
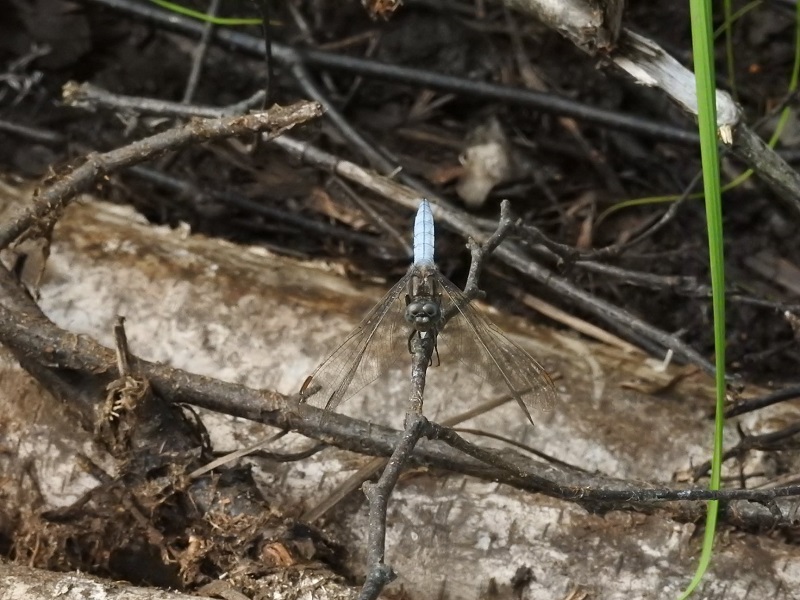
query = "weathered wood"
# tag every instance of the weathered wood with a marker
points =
(242, 314)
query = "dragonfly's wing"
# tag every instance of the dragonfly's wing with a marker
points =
(475, 341)
(375, 345)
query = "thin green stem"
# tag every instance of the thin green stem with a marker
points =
(201, 16)
(702, 43)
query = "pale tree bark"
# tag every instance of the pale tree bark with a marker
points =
(244, 315)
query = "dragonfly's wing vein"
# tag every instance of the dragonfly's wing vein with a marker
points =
(369, 351)
(474, 340)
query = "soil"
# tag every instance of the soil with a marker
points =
(560, 179)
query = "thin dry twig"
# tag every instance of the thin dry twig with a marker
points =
(55, 196)
(199, 54)
(753, 404)
(88, 96)
(235, 455)
(767, 442)
(380, 573)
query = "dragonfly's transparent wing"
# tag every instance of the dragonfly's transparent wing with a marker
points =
(475, 341)
(369, 351)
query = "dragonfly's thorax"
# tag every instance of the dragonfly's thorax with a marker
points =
(424, 299)
(424, 313)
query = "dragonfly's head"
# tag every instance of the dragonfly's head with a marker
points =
(424, 313)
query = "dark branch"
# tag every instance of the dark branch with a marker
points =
(789, 393)
(380, 573)
(767, 442)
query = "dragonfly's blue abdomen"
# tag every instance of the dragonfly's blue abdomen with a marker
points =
(423, 234)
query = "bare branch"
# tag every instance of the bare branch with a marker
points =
(55, 196)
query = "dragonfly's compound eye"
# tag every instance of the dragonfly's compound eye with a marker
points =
(431, 309)
(413, 311)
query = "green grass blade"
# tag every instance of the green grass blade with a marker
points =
(702, 43)
(201, 16)
(732, 18)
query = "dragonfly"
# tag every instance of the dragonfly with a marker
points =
(423, 303)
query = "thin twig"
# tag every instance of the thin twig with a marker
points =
(284, 457)
(33, 133)
(682, 285)
(378, 494)
(53, 198)
(766, 442)
(236, 454)
(480, 252)
(89, 96)
(753, 404)
(199, 56)
(511, 442)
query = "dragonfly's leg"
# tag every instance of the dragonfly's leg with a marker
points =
(435, 349)
(411, 337)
